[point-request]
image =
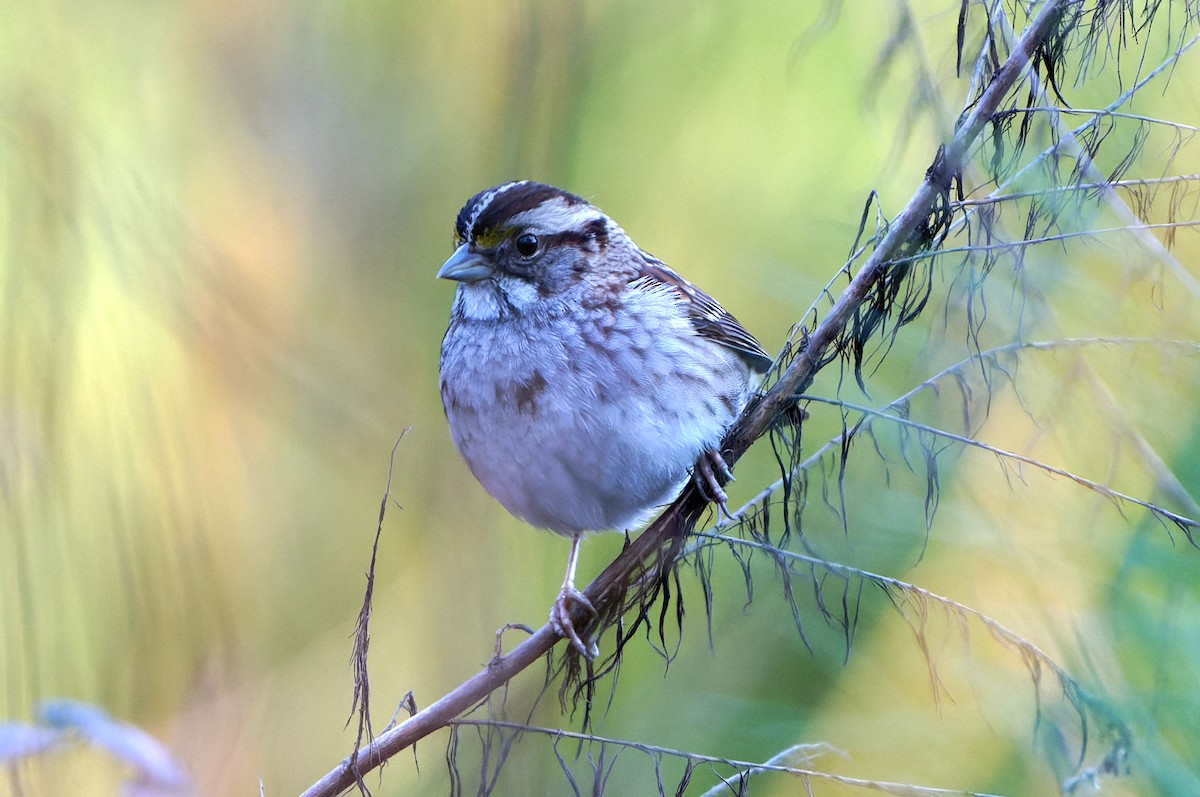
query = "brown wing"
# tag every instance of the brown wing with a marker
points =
(709, 318)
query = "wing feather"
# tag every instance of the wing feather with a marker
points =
(709, 318)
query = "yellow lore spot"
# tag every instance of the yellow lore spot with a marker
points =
(486, 239)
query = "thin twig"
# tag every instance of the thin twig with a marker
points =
(887, 411)
(773, 765)
(1183, 522)
(361, 702)
(1099, 185)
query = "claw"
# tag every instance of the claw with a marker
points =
(708, 466)
(560, 620)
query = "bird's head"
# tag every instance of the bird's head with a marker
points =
(524, 244)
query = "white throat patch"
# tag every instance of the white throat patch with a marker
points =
(490, 299)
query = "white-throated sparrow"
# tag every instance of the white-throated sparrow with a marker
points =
(583, 380)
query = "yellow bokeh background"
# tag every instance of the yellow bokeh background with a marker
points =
(219, 229)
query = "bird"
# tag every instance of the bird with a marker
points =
(583, 380)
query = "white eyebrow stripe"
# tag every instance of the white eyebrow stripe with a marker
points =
(482, 204)
(556, 215)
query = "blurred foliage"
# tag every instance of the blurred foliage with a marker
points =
(219, 226)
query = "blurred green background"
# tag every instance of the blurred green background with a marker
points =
(219, 228)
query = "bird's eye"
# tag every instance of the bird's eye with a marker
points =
(527, 244)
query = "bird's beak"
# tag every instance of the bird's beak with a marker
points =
(466, 266)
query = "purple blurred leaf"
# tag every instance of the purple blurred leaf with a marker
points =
(20, 741)
(158, 772)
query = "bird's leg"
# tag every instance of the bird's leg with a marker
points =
(709, 466)
(560, 612)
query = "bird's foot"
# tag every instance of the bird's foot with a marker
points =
(564, 626)
(710, 469)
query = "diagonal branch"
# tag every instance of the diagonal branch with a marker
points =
(647, 561)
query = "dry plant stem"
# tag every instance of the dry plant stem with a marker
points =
(608, 590)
